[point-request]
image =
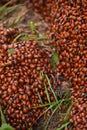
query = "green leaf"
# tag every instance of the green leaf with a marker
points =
(32, 26)
(2, 116)
(11, 51)
(55, 57)
(6, 127)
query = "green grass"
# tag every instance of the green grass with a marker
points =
(63, 126)
(5, 10)
(54, 59)
(16, 21)
(55, 105)
(36, 34)
(25, 36)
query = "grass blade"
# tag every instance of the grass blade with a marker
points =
(47, 94)
(63, 126)
(45, 105)
(16, 38)
(2, 8)
(51, 117)
(10, 9)
(51, 88)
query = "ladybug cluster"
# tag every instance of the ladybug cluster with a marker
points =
(68, 31)
(21, 83)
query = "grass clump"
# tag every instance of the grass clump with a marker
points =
(55, 105)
